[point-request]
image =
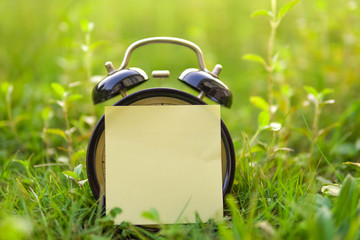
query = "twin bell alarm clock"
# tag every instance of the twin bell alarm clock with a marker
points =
(119, 81)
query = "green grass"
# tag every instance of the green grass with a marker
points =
(295, 118)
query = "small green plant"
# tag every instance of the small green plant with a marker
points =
(266, 118)
(64, 99)
(6, 89)
(275, 17)
(87, 27)
(317, 99)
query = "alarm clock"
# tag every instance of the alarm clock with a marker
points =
(118, 81)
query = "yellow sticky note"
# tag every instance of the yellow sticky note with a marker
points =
(163, 157)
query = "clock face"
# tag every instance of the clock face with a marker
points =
(96, 149)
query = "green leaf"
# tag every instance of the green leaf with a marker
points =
(311, 90)
(115, 211)
(259, 103)
(7, 89)
(46, 113)
(97, 44)
(263, 119)
(4, 87)
(254, 58)
(345, 208)
(70, 174)
(284, 9)
(79, 154)
(73, 98)
(105, 219)
(325, 92)
(325, 228)
(78, 170)
(152, 214)
(58, 89)
(262, 12)
(22, 162)
(56, 131)
(257, 148)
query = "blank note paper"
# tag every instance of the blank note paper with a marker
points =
(163, 157)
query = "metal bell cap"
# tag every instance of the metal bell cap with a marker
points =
(116, 82)
(206, 82)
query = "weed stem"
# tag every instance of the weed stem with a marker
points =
(270, 69)
(315, 127)
(68, 132)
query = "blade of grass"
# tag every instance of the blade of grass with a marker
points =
(340, 178)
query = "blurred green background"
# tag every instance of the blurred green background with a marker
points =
(43, 42)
